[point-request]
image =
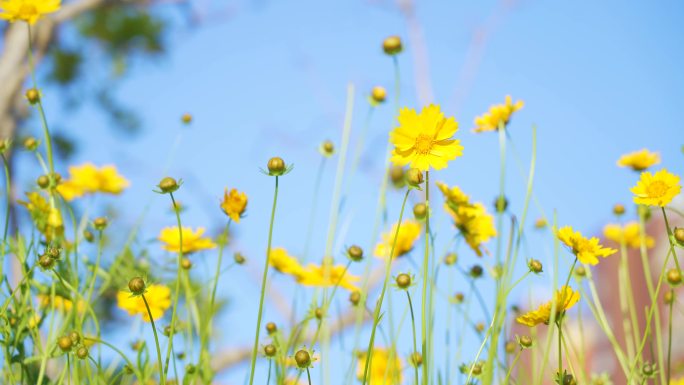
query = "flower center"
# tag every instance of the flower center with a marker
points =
(656, 189)
(423, 144)
(27, 10)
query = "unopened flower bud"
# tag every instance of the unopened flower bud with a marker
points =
(420, 211)
(136, 285)
(679, 235)
(378, 94)
(476, 271)
(648, 369)
(459, 297)
(186, 118)
(45, 262)
(479, 327)
(327, 148)
(270, 350)
(30, 143)
(416, 359)
(510, 347)
(403, 281)
(75, 337)
(239, 258)
(43, 181)
(82, 353)
(65, 343)
(450, 259)
(540, 223)
(100, 223)
(500, 204)
(303, 359)
(580, 271)
(186, 263)
(535, 266)
(271, 328)
(319, 313)
(168, 185)
(674, 277)
(88, 235)
(392, 45)
(525, 341)
(668, 297)
(396, 175)
(414, 177)
(276, 166)
(190, 369)
(355, 297)
(32, 95)
(618, 209)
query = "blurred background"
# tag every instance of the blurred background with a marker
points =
(264, 78)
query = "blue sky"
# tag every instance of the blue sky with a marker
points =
(598, 79)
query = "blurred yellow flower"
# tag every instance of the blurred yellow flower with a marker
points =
(89, 179)
(61, 303)
(679, 381)
(314, 275)
(425, 140)
(656, 189)
(158, 298)
(280, 260)
(384, 370)
(471, 219)
(586, 250)
(234, 204)
(34, 321)
(192, 239)
(409, 232)
(47, 219)
(639, 160)
(629, 233)
(27, 10)
(564, 299)
(498, 115)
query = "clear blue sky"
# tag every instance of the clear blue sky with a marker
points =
(598, 79)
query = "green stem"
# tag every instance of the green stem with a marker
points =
(413, 326)
(8, 191)
(216, 279)
(426, 272)
(669, 238)
(179, 268)
(156, 340)
(669, 341)
(308, 374)
(263, 285)
(510, 369)
(378, 305)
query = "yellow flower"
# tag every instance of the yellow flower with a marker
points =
(639, 160)
(586, 250)
(629, 233)
(314, 275)
(564, 299)
(679, 381)
(280, 260)
(47, 219)
(656, 189)
(234, 204)
(158, 298)
(471, 219)
(425, 140)
(498, 115)
(383, 370)
(409, 232)
(34, 321)
(192, 240)
(27, 10)
(88, 179)
(61, 303)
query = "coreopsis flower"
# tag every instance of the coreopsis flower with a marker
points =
(47, 219)
(158, 298)
(629, 233)
(60, 303)
(328, 276)
(29, 11)
(425, 140)
(409, 232)
(193, 240)
(564, 299)
(283, 262)
(234, 204)
(679, 381)
(89, 179)
(385, 368)
(656, 189)
(639, 160)
(471, 219)
(498, 115)
(587, 250)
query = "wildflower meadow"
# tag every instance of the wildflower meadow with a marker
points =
(304, 267)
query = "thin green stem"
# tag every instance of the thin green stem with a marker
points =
(669, 238)
(263, 284)
(156, 340)
(413, 327)
(308, 374)
(426, 272)
(669, 340)
(174, 311)
(8, 208)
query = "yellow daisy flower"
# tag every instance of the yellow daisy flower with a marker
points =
(586, 250)
(656, 189)
(234, 204)
(192, 240)
(89, 179)
(158, 298)
(47, 219)
(679, 381)
(409, 232)
(425, 140)
(639, 160)
(564, 299)
(383, 370)
(61, 303)
(27, 10)
(498, 115)
(630, 233)
(280, 260)
(314, 275)
(471, 219)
